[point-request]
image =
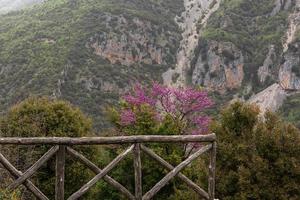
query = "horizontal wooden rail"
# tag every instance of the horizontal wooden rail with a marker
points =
(107, 140)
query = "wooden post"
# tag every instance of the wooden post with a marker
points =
(138, 171)
(60, 173)
(212, 171)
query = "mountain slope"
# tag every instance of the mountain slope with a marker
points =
(87, 51)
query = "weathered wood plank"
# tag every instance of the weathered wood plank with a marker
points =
(104, 172)
(16, 174)
(138, 172)
(182, 177)
(34, 168)
(60, 173)
(174, 172)
(109, 140)
(97, 170)
(212, 172)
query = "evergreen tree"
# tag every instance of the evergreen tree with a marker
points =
(258, 158)
(43, 117)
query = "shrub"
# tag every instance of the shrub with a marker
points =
(257, 158)
(4, 194)
(38, 117)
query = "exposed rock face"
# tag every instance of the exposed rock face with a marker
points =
(273, 97)
(289, 74)
(265, 70)
(196, 13)
(294, 23)
(63, 76)
(221, 68)
(280, 5)
(146, 43)
(270, 99)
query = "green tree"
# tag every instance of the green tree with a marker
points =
(257, 158)
(38, 117)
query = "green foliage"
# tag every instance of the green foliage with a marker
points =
(8, 195)
(43, 117)
(297, 37)
(257, 159)
(290, 110)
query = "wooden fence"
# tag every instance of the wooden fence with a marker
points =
(62, 146)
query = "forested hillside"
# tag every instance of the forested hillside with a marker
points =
(87, 51)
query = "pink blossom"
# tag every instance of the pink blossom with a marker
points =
(127, 117)
(180, 103)
(139, 96)
(192, 100)
(201, 124)
(201, 121)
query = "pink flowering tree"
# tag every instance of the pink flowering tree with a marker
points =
(161, 108)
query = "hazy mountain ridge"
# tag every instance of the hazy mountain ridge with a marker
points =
(88, 51)
(12, 5)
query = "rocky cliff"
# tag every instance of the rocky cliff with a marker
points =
(288, 70)
(147, 43)
(220, 67)
(250, 50)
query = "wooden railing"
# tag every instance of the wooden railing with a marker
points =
(62, 146)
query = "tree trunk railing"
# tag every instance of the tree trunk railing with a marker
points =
(62, 146)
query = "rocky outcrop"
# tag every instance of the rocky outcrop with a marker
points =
(269, 99)
(196, 14)
(57, 93)
(273, 97)
(145, 43)
(294, 22)
(221, 69)
(264, 71)
(289, 73)
(281, 5)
